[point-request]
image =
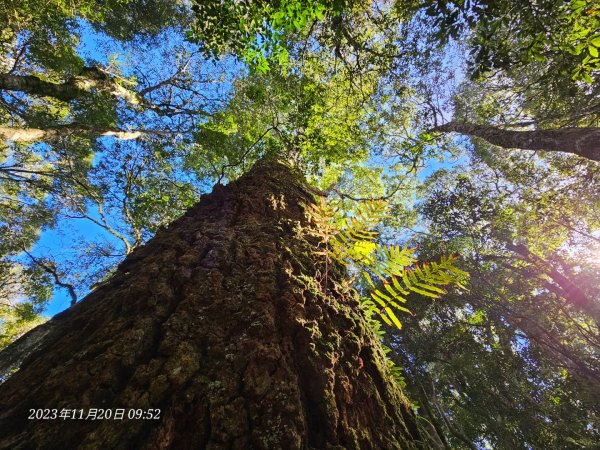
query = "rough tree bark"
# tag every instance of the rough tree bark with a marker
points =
(584, 142)
(221, 321)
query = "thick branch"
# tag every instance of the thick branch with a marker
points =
(584, 142)
(94, 78)
(73, 88)
(33, 85)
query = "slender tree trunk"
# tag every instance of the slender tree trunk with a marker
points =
(584, 142)
(221, 323)
(437, 428)
(76, 87)
(30, 84)
(17, 134)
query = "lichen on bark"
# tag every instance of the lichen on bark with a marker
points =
(220, 322)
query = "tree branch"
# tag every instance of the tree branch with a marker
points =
(75, 87)
(51, 269)
(584, 142)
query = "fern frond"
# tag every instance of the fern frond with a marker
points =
(392, 272)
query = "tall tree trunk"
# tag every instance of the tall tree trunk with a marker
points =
(221, 323)
(584, 142)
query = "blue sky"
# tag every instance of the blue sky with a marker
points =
(154, 58)
(56, 241)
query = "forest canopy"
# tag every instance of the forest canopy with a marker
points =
(464, 133)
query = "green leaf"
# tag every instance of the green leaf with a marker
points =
(393, 317)
(377, 299)
(423, 292)
(385, 318)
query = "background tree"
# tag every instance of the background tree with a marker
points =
(62, 101)
(512, 362)
(533, 72)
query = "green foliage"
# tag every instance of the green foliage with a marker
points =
(18, 282)
(315, 120)
(396, 270)
(256, 31)
(559, 36)
(139, 20)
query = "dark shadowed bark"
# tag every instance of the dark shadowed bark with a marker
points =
(584, 142)
(221, 322)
